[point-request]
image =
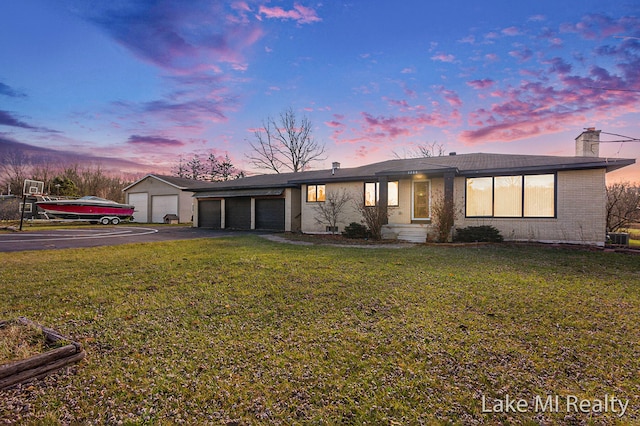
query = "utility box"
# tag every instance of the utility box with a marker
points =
(618, 239)
(171, 219)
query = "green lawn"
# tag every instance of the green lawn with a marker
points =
(246, 331)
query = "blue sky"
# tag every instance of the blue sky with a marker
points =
(148, 81)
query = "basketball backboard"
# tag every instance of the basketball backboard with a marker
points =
(32, 187)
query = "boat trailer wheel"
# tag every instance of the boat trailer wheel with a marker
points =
(104, 221)
(115, 221)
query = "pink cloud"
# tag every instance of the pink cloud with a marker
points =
(558, 65)
(491, 35)
(177, 38)
(334, 124)
(154, 141)
(522, 55)
(386, 129)
(241, 6)
(511, 31)
(452, 97)
(442, 57)
(468, 39)
(491, 57)
(481, 84)
(299, 13)
(362, 152)
(598, 26)
(402, 105)
(540, 107)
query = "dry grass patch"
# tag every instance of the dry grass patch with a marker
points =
(19, 341)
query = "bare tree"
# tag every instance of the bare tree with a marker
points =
(374, 217)
(623, 205)
(15, 169)
(91, 180)
(180, 169)
(285, 145)
(433, 149)
(330, 211)
(443, 212)
(222, 169)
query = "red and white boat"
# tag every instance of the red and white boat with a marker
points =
(91, 208)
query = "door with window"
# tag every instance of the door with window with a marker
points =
(421, 209)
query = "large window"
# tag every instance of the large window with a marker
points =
(511, 196)
(315, 193)
(480, 196)
(372, 194)
(507, 196)
(539, 196)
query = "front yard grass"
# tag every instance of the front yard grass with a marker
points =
(247, 331)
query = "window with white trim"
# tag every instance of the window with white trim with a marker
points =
(372, 194)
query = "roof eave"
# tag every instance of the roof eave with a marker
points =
(334, 178)
(430, 172)
(608, 164)
(240, 187)
(155, 177)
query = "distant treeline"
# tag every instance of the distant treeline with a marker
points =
(72, 180)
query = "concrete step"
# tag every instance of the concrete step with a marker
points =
(413, 233)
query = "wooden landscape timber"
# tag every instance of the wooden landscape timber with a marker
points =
(40, 365)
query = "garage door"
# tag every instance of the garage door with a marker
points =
(162, 205)
(237, 213)
(140, 203)
(270, 214)
(209, 214)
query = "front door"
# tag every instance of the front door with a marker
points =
(421, 209)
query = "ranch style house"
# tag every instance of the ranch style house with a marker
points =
(539, 198)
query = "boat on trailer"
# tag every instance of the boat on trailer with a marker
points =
(90, 208)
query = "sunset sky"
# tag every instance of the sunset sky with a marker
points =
(148, 81)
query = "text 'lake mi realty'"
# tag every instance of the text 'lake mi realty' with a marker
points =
(555, 404)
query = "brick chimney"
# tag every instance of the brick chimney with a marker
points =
(588, 143)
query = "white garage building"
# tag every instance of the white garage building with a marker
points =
(155, 196)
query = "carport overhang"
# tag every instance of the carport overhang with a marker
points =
(270, 192)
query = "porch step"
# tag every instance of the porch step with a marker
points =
(413, 233)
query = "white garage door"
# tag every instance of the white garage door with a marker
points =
(162, 205)
(140, 202)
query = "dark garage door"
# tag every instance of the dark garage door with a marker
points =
(209, 214)
(270, 214)
(237, 213)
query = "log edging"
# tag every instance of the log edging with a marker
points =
(40, 365)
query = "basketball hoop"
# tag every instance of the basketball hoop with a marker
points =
(30, 188)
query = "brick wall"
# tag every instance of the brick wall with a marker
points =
(580, 211)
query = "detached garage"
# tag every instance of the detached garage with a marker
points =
(155, 196)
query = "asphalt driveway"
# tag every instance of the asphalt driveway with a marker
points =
(102, 236)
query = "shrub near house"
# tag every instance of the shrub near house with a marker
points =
(483, 233)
